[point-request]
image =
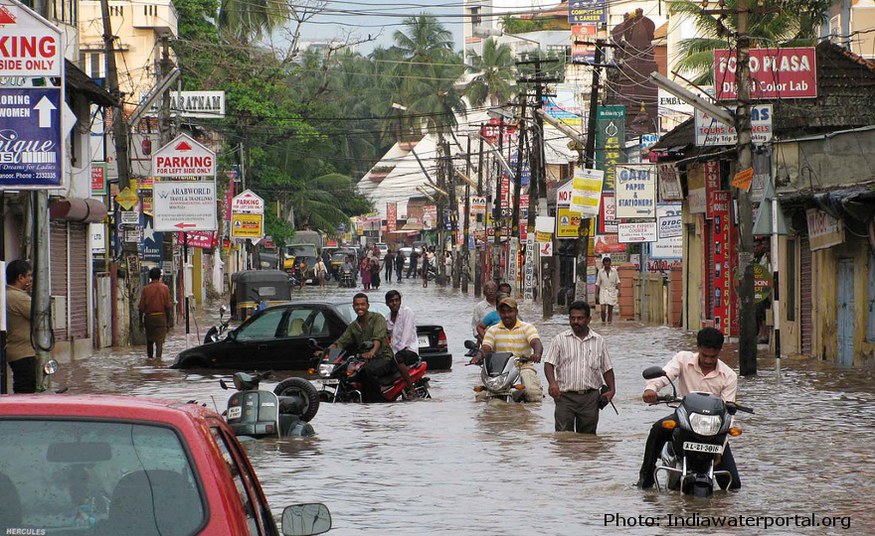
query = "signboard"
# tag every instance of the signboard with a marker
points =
(478, 204)
(583, 38)
(712, 185)
(429, 216)
(567, 223)
(670, 230)
(391, 217)
(610, 141)
(247, 202)
(184, 206)
(31, 142)
(529, 270)
(193, 104)
(608, 244)
(153, 243)
(563, 194)
(30, 45)
(636, 232)
(586, 191)
(127, 198)
(130, 217)
(247, 225)
(720, 253)
(669, 183)
(636, 191)
(587, 12)
(696, 196)
(711, 132)
(823, 230)
(98, 178)
(184, 157)
(608, 217)
(202, 239)
(98, 237)
(775, 73)
(545, 249)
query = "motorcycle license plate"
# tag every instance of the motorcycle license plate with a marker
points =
(703, 447)
(423, 341)
(332, 381)
(234, 412)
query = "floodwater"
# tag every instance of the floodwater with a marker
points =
(454, 466)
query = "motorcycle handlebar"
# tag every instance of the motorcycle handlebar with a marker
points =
(738, 407)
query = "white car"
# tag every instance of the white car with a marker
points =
(384, 248)
(406, 252)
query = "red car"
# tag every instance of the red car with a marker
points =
(107, 465)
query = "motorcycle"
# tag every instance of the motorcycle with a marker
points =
(285, 412)
(700, 427)
(347, 279)
(501, 377)
(339, 370)
(217, 332)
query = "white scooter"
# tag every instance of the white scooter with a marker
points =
(502, 377)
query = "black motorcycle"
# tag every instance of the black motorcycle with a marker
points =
(285, 412)
(700, 426)
(217, 332)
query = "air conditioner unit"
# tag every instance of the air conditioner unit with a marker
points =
(59, 312)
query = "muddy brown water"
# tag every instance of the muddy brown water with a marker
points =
(454, 466)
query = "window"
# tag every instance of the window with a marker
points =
(95, 65)
(307, 323)
(476, 20)
(265, 326)
(90, 478)
(238, 475)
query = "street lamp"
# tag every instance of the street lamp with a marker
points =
(482, 31)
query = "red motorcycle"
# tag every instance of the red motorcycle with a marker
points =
(339, 376)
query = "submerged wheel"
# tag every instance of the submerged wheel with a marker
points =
(305, 391)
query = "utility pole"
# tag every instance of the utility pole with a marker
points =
(463, 253)
(164, 125)
(119, 128)
(478, 266)
(496, 209)
(747, 344)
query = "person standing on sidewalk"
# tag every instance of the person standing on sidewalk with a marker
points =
(20, 352)
(576, 365)
(607, 289)
(156, 309)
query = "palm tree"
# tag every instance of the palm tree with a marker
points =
(495, 82)
(791, 24)
(245, 19)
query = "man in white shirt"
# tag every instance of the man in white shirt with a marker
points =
(490, 291)
(401, 324)
(607, 291)
(576, 365)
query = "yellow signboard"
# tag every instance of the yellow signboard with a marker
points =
(127, 199)
(567, 223)
(543, 237)
(247, 225)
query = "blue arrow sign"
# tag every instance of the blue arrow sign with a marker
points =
(31, 147)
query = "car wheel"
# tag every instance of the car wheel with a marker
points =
(194, 362)
(303, 389)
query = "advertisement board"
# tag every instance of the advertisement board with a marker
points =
(184, 206)
(775, 73)
(636, 191)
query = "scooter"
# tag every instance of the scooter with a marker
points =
(700, 426)
(339, 370)
(347, 279)
(217, 332)
(501, 377)
(285, 412)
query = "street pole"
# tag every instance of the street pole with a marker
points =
(119, 128)
(467, 233)
(478, 266)
(747, 343)
(41, 301)
(587, 227)
(496, 210)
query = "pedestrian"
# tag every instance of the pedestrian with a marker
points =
(20, 352)
(490, 291)
(401, 324)
(704, 372)
(414, 263)
(399, 265)
(607, 289)
(326, 258)
(576, 365)
(427, 263)
(388, 265)
(365, 272)
(519, 338)
(375, 274)
(448, 267)
(156, 309)
(321, 272)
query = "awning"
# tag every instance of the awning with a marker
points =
(78, 210)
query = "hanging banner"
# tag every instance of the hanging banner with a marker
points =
(586, 191)
(669, 183)
(712, 185)
(610, 141)
(636, 191)
(608, 217)
(529, 275)
(696, 195)
(721, 246)
(391, 217)
(429, 216)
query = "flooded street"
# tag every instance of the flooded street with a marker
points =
(454, 466)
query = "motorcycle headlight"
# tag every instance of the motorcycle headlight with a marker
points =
(496, 383)
(325, 369)
(705, 425)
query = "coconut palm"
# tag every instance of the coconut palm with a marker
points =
(794, 23)
(495, 82)
(245, 19)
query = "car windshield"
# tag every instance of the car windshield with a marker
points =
(348, 313)
(88, 478)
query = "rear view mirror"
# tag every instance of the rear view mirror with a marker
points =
(79, 452)
(471, 345)
(651, 373)
(306, 519)
(313, 344)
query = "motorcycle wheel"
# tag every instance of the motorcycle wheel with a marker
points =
(304, 389)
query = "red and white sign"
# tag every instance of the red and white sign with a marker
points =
(202, 239)
(29, 45)
(184, 206)
(184, 157)
(391, 217)
(775, 73)
(247, 202)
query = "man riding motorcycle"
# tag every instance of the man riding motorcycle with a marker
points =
(368, 327)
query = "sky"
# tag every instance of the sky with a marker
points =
(378, 19)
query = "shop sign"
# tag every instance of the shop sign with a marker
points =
(823, 230)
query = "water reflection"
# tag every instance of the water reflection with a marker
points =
(455, 466)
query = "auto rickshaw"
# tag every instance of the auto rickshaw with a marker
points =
(254, 289)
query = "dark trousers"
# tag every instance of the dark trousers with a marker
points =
(370, 375)
(23, 375)
(412, 268)
(658, 437)
(398, 271)
(577, 411)
(388, 273)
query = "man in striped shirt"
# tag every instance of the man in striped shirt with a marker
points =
(576, 364)
(518, 337)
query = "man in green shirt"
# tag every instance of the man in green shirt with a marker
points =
(368, 327)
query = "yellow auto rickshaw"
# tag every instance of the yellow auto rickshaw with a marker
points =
(252, 290)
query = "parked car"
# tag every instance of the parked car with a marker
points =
(96, 465)
(406, 251)
(384, 248)
(277, 338)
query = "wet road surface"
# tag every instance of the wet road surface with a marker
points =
(453, 466)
